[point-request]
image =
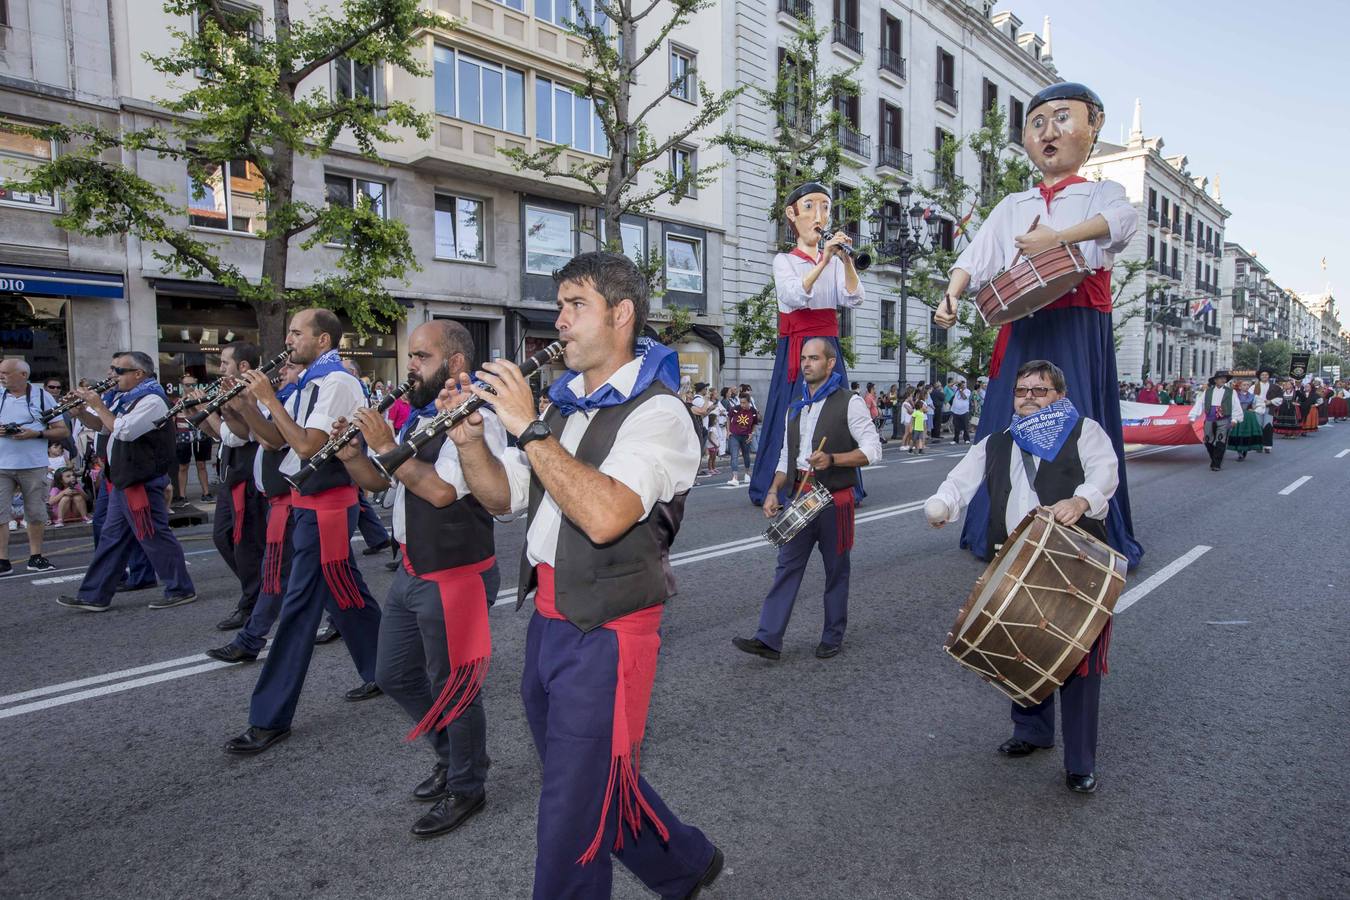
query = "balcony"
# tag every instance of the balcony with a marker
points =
(798, 9)
(1015, 133)
(1153, 216)
(895, 158)
(1164, 223)
(893, 62)
(798, 118)
(1213, 330)
(847, 35)
(1190, 236)
(854, 141)
(946, 93)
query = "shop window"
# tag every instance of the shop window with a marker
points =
(35, 331)
(478, 91)
(562, 117)
(19, 154)
(460, 224)
(228, 196)
(550, 239)
(684, 264)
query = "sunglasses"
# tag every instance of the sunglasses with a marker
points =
(1033, 391)
(118, 370)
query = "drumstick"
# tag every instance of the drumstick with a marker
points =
(802, 484)
(1018, 255)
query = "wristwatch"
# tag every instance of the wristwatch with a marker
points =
(533, 431)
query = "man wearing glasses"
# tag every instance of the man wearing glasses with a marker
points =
(1050, 456)
(23, 459)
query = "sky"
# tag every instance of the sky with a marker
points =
(1252, 92)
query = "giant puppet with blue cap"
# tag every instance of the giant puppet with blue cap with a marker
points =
(812, 281)
(1074, 331)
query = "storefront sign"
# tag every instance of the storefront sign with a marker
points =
(59, 283)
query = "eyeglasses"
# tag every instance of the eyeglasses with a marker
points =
(53, 387)
(1033, 391)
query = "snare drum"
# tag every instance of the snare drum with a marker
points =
(1038, 608)
(1035, 282)
(798, 514)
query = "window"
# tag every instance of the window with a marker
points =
(946, 235)
(990, 96)
(549, 239)
(683, 81)
(943, 172)
(684, 264)
(849, 109)
(563, 12)
(632, 234)
(892, 126)
(4, 12)
(460, 225)
(1150, 248)
(888, 324)
(238, 16)
(890, 32)
(1152, 198)
(19, 153)
(1016, 119)
(479, 91)
(844, 214)
(341, 190)
(946, 77)
(229, 196)
(352, 79)
(683, 160)
(517, 5)
(561, 117)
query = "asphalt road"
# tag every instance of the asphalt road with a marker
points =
(1222, 762)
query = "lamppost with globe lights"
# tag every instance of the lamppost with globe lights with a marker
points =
(903, 241)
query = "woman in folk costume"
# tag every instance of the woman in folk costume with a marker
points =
(1246, 435)
(1289, 415)
(811, 285)
(1074, 332)
(1311, 403)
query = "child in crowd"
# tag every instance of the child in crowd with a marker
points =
(67, 501)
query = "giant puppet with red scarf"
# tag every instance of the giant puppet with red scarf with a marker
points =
(812, 282)
(1074, 332)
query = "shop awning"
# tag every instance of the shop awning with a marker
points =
(705, 333)
(59, 283)
(545, 319)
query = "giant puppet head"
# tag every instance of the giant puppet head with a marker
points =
(808, 212)
(1062, 125)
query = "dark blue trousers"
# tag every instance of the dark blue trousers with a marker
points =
(787, 579)
(253, 636)
(161, 548)
(372, 529)
(141, 572)
(307, 595)
(1078, 702)
(414, 664)
(568, 689)
(245, 557)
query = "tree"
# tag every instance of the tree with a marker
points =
(245, 104)
(1274, 355)
(1123, 274)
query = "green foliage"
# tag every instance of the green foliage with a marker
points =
(676, 320)
(755, 330)
(849, 354)
(890, 340)
(1274, 355)
(1125, 308)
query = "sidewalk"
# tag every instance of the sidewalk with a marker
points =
(194, 512)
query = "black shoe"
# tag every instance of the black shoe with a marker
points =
(235, 620)
(83, 605)
(434, 786)
(394, 563)
(231, 654)
(709, 875)
(255, 740)
(39, 563)
(377, 549)
(755, 646)
(1214, 468)
(123, 587)
(449, 813)
(364, 692)
(1081, 784)
(327, 634)
(170, 602)
(208, 498)
(825, 651)
(6, 568)
(179, 501)
(1019, 747)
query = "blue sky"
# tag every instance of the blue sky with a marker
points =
(1256, 93)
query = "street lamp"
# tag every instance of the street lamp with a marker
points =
(912, 241)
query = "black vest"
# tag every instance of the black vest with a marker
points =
(332, 474)
(832, 425)
(444, 537)
(598, 583)
(147, 457)
(1056, 479)
(273, 482)
(236, 463)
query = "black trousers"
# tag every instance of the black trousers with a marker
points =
(961, 427)
(244, 558)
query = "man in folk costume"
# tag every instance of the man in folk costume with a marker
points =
(811, 286)
(434, 636)
(1219, 407)
(830, 436)
(1062, 124)
(604, 475)
(324, 512)
(1268, 399)
(139, 458)
(1052, 456)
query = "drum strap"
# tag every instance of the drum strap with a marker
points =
(1029, 470)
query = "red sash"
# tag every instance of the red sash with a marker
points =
(1094, 292)
(801, 324)
(1095, 661)
(468, 639)
(237, 501)
(138, 503)
(845, 506)
(639, 641)
(335, 547)
(278, 515)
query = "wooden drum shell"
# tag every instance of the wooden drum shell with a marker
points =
(1032, 284)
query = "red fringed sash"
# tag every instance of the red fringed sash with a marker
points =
(237, 501)
(845, 503)
(138, 502)
(639, 641)
(468, 639)
(1095, 661)
(335, 548)
(801, 324)
(278, 516)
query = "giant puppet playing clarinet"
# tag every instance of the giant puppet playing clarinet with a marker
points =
(812, 282)
(1095, 219)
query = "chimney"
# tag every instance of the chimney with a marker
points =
(1137, 125)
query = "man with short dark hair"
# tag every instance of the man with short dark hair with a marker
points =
(23, 458)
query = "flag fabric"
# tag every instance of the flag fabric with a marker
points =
(1200, 307)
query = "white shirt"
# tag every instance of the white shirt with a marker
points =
(993, 248)
(140, 420)
(448, 469)
(828, 291)
(655, 455)
(960, 402)
(1198, 410)
(1101, 477)
(859, 425)
(339, 396)
(1260, 405)
(30, 453)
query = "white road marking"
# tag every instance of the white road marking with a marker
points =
(81, 569)
(1343, 453)
(1298, 483)
(58, 580)
(100, 679)
(910, 462)
(1152, 450)
(1148, 585)
(111, 689)
(873, 466)
(1231, 622)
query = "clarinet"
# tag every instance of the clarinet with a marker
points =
(216, 403)
(70, 401)
(211, 390)
(443, 422)
(334, 444)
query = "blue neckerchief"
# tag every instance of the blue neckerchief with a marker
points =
(123, 402)
(326, 364)
(1044, 432)
(110, 397)
(285, 393)
(658, 362)
(832, 384)
(425, 412)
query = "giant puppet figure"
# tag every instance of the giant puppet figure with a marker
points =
(1074, 332)
(811, 283)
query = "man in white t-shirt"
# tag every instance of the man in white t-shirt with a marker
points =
(23, 458)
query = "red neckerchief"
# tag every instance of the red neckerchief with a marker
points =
(802, 254)
(1049, 191)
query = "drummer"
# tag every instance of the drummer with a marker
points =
(829, 436)
(1051, 456)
